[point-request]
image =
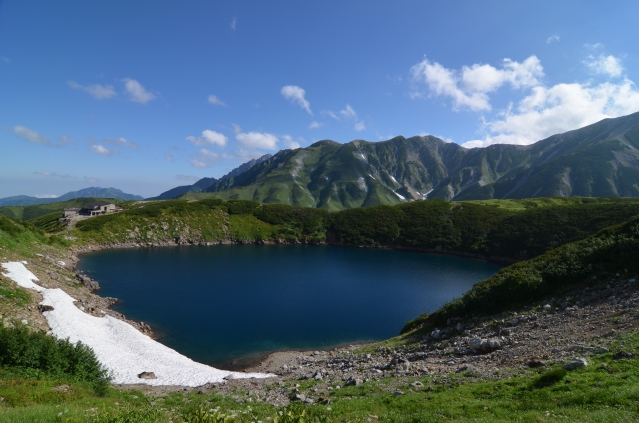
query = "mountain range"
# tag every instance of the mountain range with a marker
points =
(599, 160)
(25, 200)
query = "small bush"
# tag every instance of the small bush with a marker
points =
(35, 354)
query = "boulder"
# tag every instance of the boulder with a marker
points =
(575, 364)
(147, 375)
(623, 354)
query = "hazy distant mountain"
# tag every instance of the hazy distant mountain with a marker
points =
(24, 200)
(599, 160)
(204, 183)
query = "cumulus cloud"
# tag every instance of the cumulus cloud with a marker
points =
(560, 108)
(55, 175)
(469, 87)
(297, 95)
(553, 39)
(205, 158)
(102, 150)
(236, 128)
(31, 135)
(260, 140)
(314, 125)
(208, 138)
(605, 65)
(137, 93)
(347, 113)
(290, 143)
(359, 126)
(95, 90)
(214, 100)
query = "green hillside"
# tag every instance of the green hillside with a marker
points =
(600, 160)
(514, 230)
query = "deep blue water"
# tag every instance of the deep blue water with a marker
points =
(225, 305)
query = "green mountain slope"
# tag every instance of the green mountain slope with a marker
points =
(600, 160)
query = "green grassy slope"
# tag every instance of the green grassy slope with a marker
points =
(612, 251)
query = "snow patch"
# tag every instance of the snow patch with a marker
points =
(401, 197)
(120, 347)
(371, 176)
(393, 178)
(426, 195)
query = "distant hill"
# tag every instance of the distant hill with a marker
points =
(600, 160)
(23, 200)
(205, 183)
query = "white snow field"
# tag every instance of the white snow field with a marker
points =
(120, 347)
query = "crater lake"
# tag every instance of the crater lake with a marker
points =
(230, 305)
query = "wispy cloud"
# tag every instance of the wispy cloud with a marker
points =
(205, 158)
(214, 100)
(46, 196)
(297, 95)
(347, 113)
(91, 180)
(120, 141)
(234, 24)
(553, 39)
(314, 125)
(95, 90)
(137, 93)
(169, 158)
(31, 135)
(102, 150)
(208, 138)
(55, 175)
(186, 178)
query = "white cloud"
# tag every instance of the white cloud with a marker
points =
(314, 125)
(96, 90)
(593, 46)
(348, 112)
(5, 59)
(296, 95)
(64, 140)
(56, 175)
(91, 180)
(209, 138)
(606, 65)
(120, 141)
(359, 126)
(330, 113)
(468, 88)
(236, 128)
(169, 158)
(560, 108)
(101, 150)
(214, 100)
(137, 92)
(553, 39)
(205, 158)
(186, 178)
(234, 24)
(290, 143)
(46, 196)
(31, 135)
(258, 140)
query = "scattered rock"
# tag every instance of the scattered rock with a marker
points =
(576, 363)
(623, 354)
(601, 350)
(147, 375)
(44, 308)
(398, 393)
(534, 364)
(547, 307)
(352, 381)
(417, 384)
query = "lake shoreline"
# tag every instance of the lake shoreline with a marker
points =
(256, 360)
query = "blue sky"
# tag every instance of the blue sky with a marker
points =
(147, 95)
